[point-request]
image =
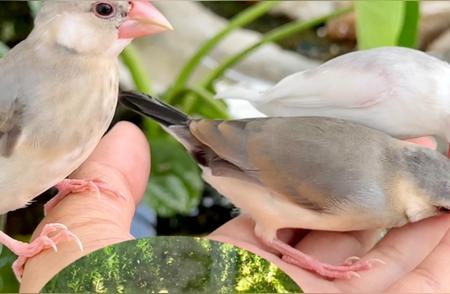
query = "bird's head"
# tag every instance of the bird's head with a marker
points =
(97, 26)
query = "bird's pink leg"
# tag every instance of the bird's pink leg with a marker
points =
(24, 250)
(69, 186)
(350, 268)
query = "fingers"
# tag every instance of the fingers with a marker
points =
(240, 231)
(123, 155)
(345, 245)
(122, 159)
(326, 246)
(431, 276)
(402, 249)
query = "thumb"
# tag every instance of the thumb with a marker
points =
(122, 158)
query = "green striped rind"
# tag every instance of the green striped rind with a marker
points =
(173, 265)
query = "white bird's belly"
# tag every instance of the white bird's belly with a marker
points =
(396, 117)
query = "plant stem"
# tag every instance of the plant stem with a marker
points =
(142, 82)
(272, 36)
(3, 49)
(208, 98)
(140, 77)
(242, 19)
(34, 7)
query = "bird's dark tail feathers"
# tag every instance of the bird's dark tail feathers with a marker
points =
(147, 105)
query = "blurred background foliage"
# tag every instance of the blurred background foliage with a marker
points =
(172, 265)
(183, 202)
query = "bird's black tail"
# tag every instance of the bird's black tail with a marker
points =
(146, 105)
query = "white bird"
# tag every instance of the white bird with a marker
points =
(58, 94)
(403, 92)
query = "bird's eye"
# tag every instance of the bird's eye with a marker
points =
(104, 9)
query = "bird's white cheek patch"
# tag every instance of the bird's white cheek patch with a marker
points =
(74, 33)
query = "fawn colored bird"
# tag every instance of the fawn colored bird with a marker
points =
(403, 92)
(58, 96)
(310, 172)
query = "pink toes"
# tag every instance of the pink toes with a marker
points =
(321, 269)
(69, 186)
(50, 236)
(348, 270)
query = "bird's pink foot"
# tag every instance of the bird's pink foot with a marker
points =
(69, 186)
(349, 269)
(50, 235)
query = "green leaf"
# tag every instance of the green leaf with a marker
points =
(131, 59)
(245, 17)
(34, 7)
(277, 34)
(409, 34)
(8, 282)
(175, 183)
(379, 23)
(209, 108)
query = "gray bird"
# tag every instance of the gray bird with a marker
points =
(58, 94)
(310, 172)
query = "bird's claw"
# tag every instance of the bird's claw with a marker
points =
(41, 243)
(69, 186)
(351, 260)
(349, 269)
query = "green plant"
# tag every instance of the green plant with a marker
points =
(3, 49)
(270, 37)
(387, 23)
(242, 19)
(8, 282)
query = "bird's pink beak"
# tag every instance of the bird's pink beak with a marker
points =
(143, 20)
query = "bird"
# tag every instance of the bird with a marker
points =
(58, 96)
(401, 91)
(315, 173)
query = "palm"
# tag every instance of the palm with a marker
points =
(415, 255)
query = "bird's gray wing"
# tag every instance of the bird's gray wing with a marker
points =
(315, 162)
(11, 108)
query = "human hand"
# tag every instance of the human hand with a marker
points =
(416, 255)
(121, 158)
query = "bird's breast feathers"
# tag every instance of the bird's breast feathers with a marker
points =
(62, 123)
(77, 110)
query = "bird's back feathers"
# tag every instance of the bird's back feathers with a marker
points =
(297, 157)
(356, 80)
(240, 91)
